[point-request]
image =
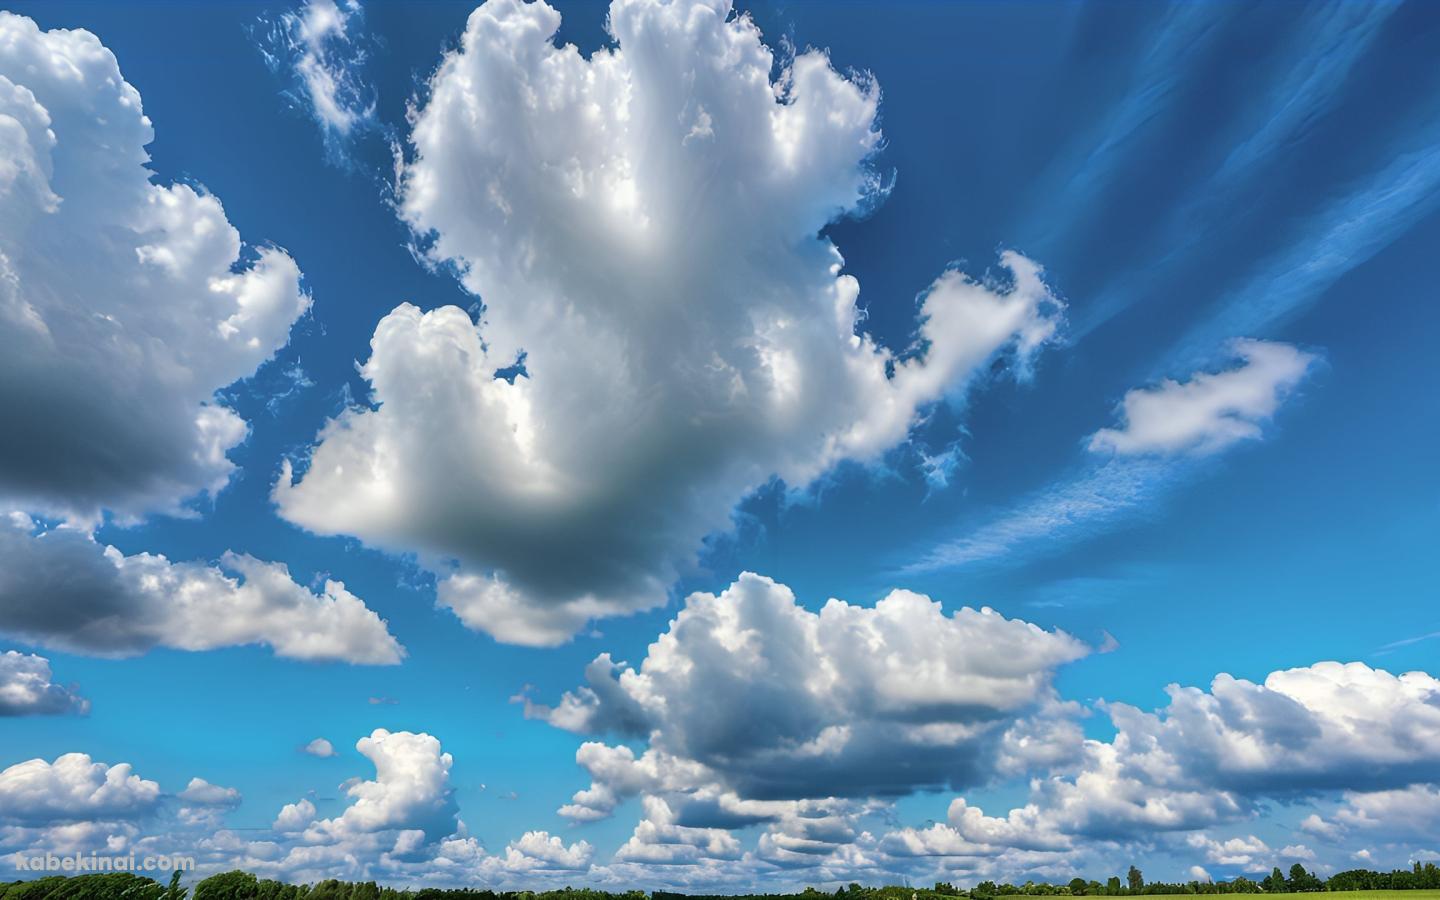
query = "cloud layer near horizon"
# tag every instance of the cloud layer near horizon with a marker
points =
(1193, 775)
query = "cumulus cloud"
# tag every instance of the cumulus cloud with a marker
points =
(748, 696)
(410, 790)
(322, 46)
(200, 792)
(319, 747)
(72, 788)
(1214, 756)
(1411, 812)
(27, 688)
(295, 816)
(124, 304)
(100, 601)
(1212, 410)
(665, 329)
(1248, 852)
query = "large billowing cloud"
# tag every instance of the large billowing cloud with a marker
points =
(124, 304)
(749, 697)
(28, 689)
(664, 330)
(62, 589)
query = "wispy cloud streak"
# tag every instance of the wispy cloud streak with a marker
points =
(323, 47)
(1327, 45)
(1349, 232)
(1090, 499)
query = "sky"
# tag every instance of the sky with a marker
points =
(720, 449)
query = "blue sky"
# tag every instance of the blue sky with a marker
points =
(1187, 176)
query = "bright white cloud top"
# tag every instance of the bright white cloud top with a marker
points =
(750, 697)
(643, 227)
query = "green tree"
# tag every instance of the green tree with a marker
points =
(1274, 883)
(1112, 887)
(235, 885)
(1135, 880)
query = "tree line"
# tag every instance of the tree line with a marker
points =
(245, 886)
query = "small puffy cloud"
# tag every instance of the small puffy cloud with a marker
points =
(319, 747)
(1248, 852)
(665, 327)
(295, 816)
(537, 850)
(27, 688)
(322, 46)
(200, 792)
(73, 788)
(124, 304)
(410, 791)
(99, 601)
(1314, 824)
(752, 692)
(1212, 410)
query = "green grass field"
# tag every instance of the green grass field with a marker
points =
(1321, 895)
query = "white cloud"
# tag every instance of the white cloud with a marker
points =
(1210, 411)
(1317, 826)
(323, 47)
(1213, 757)
(643, 227)
(320, 747)
(1165, 429)
(542, 850)
(102, 602)
(200, 792)
(124, 304)
(748, 693)
(73, 788)
(295, 816)
(411, 789)
(658, 840)
(27, 688)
